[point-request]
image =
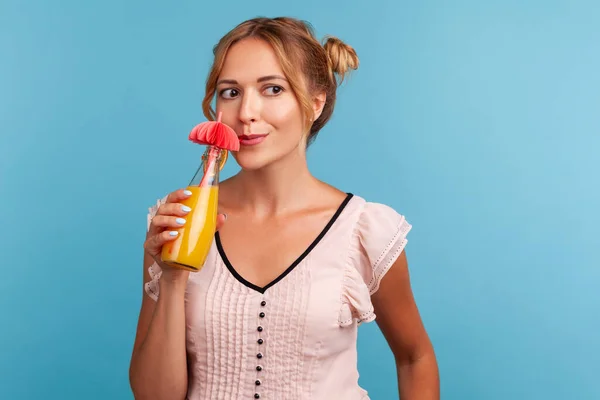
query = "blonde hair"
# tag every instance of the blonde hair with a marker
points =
(309, 66)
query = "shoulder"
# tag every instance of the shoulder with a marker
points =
(377, 220)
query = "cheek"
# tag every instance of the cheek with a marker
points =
(229, 110)
(282, 114)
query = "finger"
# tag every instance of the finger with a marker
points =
(158, 223)
(155, 243)
(178, 196)
(176, 209)
(221, 218)
(168, 221)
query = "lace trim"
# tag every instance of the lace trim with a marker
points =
(367, 316)
(389, 255)
(152, 287)
(350, 305)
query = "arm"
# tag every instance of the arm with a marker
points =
(158, 368)
(400, 322)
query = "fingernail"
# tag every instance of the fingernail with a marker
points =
(187, 192)
(186, 208)
(173, 233)
(180, 221)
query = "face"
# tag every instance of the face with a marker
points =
(258, 103)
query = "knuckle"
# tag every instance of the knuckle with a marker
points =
(148, 246)
(174, 195)
(170, 209)
(178, 209)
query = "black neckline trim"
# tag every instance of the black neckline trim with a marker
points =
(294, 264)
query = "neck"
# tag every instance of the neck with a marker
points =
(280, 187)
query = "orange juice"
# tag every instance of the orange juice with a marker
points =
(190, 248)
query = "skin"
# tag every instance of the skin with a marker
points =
(273, 207)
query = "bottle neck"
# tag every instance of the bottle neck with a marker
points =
(208, 172)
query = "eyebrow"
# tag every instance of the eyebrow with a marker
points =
(261, 79)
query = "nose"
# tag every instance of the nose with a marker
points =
(249, 108)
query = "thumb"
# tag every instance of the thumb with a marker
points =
(221, 218)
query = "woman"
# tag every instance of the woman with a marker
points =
(297, 265)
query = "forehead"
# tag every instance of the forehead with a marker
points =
(250, 59)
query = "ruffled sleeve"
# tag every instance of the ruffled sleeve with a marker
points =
(379, 237)
(151, 287)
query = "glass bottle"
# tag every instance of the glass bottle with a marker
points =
(194, 240)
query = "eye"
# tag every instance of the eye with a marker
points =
(228, 93)
(274, 90)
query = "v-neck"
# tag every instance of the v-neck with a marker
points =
(296, 262)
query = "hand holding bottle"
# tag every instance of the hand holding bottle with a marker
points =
(166, 225)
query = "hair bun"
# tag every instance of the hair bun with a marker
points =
(342, 57)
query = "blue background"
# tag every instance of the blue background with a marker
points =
(478, 120)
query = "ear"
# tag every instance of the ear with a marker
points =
(318, 104)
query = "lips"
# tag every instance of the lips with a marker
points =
(250, 137)
(250, 140)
